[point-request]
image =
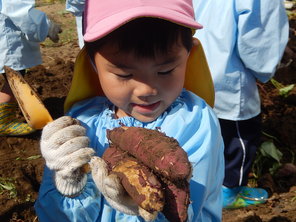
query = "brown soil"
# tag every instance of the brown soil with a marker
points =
(22, 165)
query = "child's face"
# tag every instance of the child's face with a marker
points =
(138, 86)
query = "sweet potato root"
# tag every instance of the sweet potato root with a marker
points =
(138, 180)
(134, 151)
(177, 200)
(154, 149)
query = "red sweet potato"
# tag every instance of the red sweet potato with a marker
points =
(177, 200)
(156, 152)
(154, 149)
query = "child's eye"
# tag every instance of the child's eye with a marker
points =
(124, 76)
(166, 72)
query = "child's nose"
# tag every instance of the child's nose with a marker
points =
(145, 89)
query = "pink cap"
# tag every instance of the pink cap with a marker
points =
(103, 16)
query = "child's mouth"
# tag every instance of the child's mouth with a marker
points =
(146, 108)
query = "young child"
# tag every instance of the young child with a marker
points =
(140, 59)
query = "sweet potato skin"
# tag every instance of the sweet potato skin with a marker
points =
(154, 149)
(161, 154)
(177, 200)
(138, 180)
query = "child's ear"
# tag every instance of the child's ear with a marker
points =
(195, 42)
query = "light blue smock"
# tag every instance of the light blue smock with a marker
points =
(243, 40)
(189, 119)
(76, 7)
(22, 29)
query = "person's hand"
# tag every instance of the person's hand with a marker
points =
(110, 186)
(64, 146)
(53, 31)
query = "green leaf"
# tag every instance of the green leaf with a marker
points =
(34, 157)
(274, 168)
(286, 90)
(276, 84)
(269, 149)
(7, 186)
(270, 136)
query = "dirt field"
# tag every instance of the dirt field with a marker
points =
(22, 165)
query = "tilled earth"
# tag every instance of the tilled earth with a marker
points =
(22, 165)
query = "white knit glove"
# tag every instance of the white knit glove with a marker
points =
(110, 186)
(64, 146)
(54, 30)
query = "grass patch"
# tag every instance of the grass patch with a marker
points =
(7, 185)
(68, 35)
(63, 18)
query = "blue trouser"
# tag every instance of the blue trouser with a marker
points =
(241, 139)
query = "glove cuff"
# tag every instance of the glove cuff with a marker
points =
(70, 188)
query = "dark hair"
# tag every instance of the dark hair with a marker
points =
(145, 37)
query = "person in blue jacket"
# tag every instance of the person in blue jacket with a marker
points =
(22, 29)
(243, 42)
(138, 69)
